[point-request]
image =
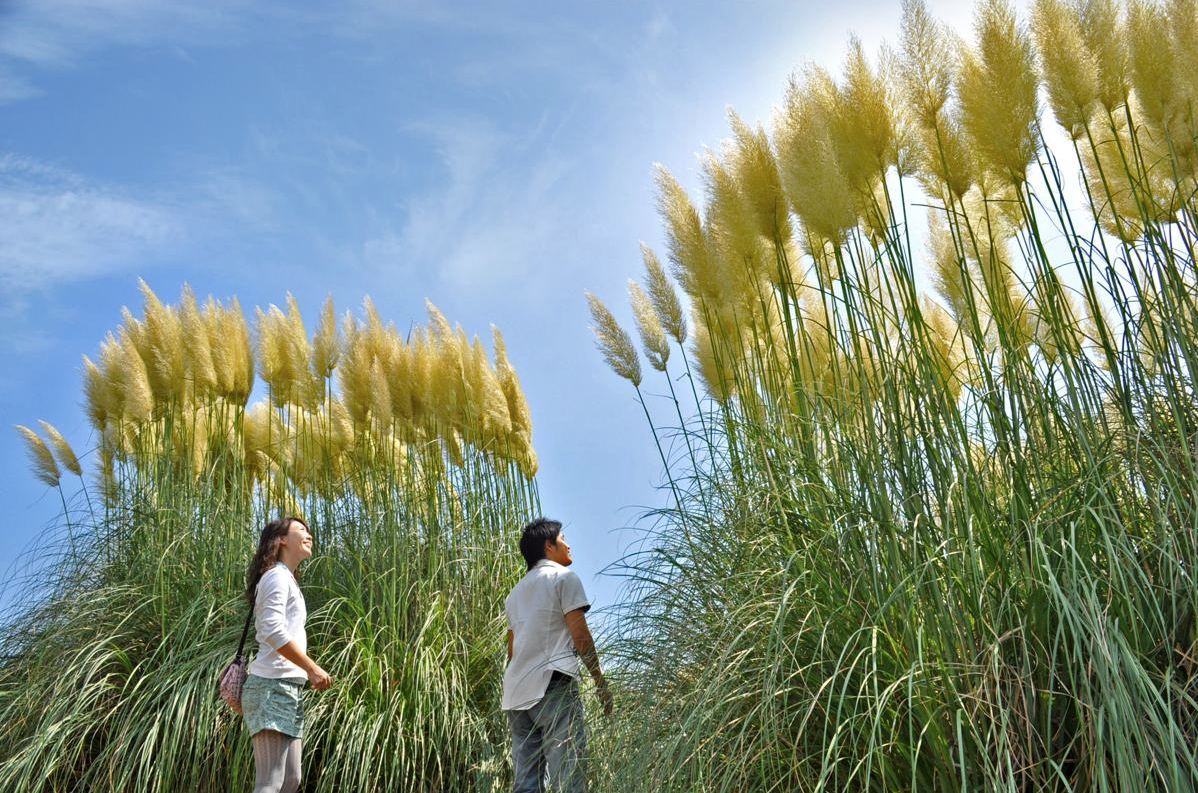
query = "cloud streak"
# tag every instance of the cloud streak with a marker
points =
(490, 218)
(57, 227)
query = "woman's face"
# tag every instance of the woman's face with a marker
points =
(298, 542)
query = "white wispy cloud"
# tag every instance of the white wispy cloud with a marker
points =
(56, 226)
(40, 35)
(490, 219)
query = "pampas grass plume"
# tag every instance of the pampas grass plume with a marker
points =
(716, 376)
(998, 86)
(1070, 70)
(44, 466)
(811, 173)
(614, 342)
(62, 449)
(1152, 62)
(663, 296)
(924, 64)
(517, 406)
(137, 396)
(326, 349)
(166, 364)
(755, 169)
(863, 124)
(197, 350)
(733, 234)
(653, 336)
(1103, 32)
(95, 393)
(685, 240)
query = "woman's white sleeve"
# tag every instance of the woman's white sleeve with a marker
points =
(271, 608)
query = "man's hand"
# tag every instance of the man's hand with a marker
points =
(605, 698)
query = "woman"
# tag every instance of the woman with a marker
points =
(272, 699)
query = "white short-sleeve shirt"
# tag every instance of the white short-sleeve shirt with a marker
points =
(541, 643)
(279, 617)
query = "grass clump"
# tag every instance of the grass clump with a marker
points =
(412, 460)
(932, 524)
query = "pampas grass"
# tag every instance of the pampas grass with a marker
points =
(937, 542)
(413, 463)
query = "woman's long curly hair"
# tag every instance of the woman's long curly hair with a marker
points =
(268, 553)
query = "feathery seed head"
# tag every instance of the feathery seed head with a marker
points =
(614, 342)
(1070, 70)
(938, 149)
(62, 450)
(380, 397)
(815, 184)
(862, 123)
(197, 350)
(166, 366)
(497, 420)
(1153, 68)
(755, 169)
(238, 330)
(1183, 35)
(135, 329)
(44, 466)
(326, 347)
(732, 232)
(399, 381)
(1105, 39)
(924, 64)
(653, 335)
(517, 404)
(1126, 193)
(439, 326)
(421, 365)
(354, 372)
(663, 296)
(713, 365)
(998, 88)
(132, 381)
(309, 386)
(221, 346)
(948, 345)
(95, 392)
(951, 273)
(694, 266)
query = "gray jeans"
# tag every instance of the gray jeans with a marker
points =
(549, 742)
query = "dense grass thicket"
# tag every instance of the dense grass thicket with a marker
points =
(933, 520)
(414, 471)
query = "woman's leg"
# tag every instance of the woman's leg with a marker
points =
(271, 752)
(291, 773)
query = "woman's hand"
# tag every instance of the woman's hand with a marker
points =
(318, 678)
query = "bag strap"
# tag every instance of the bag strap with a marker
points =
(245, 632)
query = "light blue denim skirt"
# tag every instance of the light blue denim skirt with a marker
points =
(274, 704)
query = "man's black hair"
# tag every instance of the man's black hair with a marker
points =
(534, 537)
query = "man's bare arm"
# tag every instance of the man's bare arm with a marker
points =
(511, 637)
(584, 643)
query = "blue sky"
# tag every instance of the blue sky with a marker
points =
(495, 158)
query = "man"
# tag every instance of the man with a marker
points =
(547, 634)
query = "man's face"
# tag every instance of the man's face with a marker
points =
(559, 551)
